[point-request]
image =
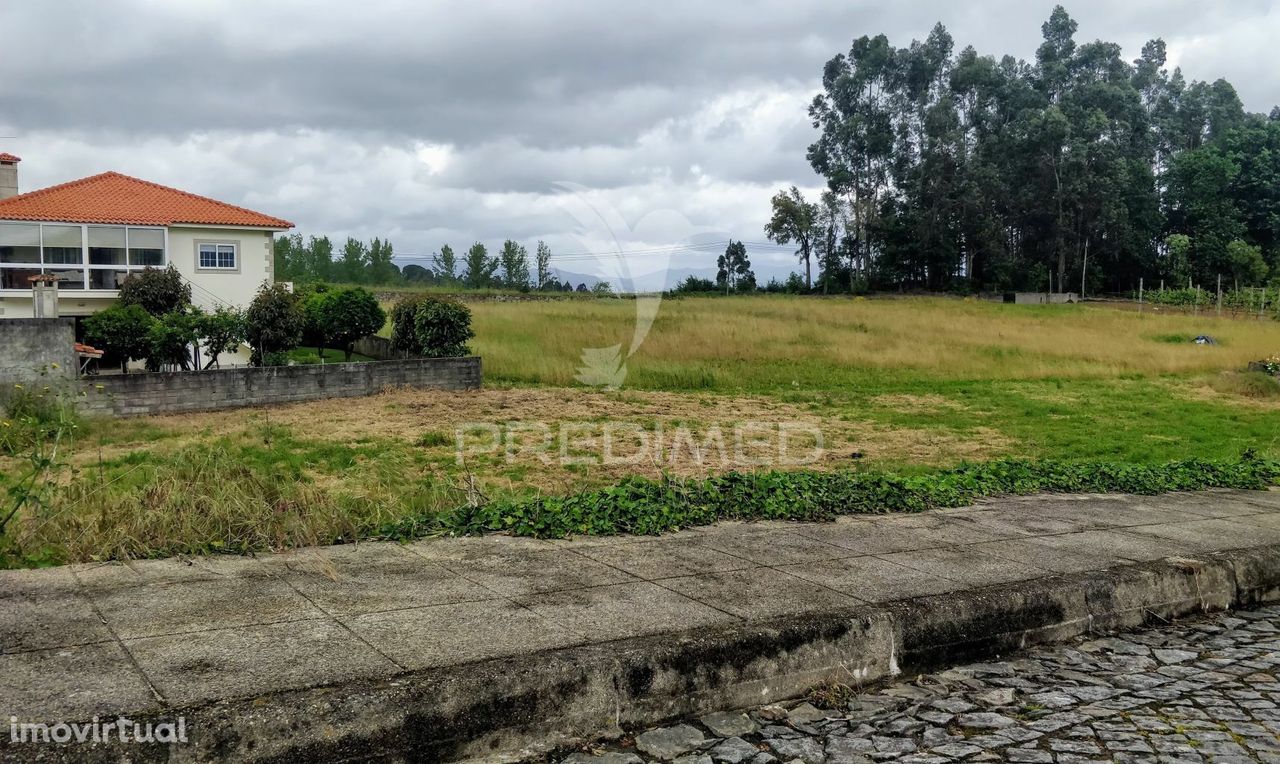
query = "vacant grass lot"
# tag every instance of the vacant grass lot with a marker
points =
(902, 384)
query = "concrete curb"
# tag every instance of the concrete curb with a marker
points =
(502, 710)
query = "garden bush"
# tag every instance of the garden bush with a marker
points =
(273, 323)
(158, 291)
(431, 327)
(122, 332)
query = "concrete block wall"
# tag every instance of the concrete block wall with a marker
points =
(139, 394)
(29, 348)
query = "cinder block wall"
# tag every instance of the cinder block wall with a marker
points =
(29, 348)
(137, 394)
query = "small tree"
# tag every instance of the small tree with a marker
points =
(223, 331)
(158, 291)
(121, 331)
(170, 338)
(1247, 265)
(602, 288)
(403, 333)
(347, 315)
(273, 323)
(442, 328)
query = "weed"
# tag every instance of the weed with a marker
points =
(433, 439)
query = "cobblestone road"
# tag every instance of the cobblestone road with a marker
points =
(1195, 691)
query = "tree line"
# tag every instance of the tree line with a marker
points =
(314, 261)
(965, 171)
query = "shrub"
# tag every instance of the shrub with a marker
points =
(121, 331)
(442, 328)
(273, 323)
(158, 291)
(403, 332)
(339, 318)
(170, 338)
(223, 331)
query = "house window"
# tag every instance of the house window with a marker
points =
(218, 256)
(83, 256)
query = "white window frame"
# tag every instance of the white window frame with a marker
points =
(218, 246)
(84, 266)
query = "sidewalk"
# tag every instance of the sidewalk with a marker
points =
(153, 638)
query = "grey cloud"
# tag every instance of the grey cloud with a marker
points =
(317, 111)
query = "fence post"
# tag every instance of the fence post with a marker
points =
(1262, 305)
(1219, 295)
(1139, 295)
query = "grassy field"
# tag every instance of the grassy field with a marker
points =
(904, 384)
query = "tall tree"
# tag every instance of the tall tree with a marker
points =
(543, 257)
(478, 267)
(382, 267)
(794, 219)
(514, 260)
(446, 264)
(733, 269)
(353, 267)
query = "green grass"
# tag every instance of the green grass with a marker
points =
(311, 355)
(916, 387)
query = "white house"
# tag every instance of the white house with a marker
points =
(94, 232)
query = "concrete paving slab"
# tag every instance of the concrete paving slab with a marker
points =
(1048, 556)
(1022, 522)
(771, 547)
(1212, 535)
(73, 683)
(371, 578)
(511, 573)
(872, 579)
(154, 609)
(446, 635)
(1086, 550)
(625, 647)
(623, 610)
(1130, 512)
(43, 609)
(1215, 503)
(666, 559)
(107, 575)
(897, 533)
(966, 566)
(759, 593)
(248, 661)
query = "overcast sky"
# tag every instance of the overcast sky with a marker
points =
(589, 124)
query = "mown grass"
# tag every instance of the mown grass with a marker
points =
(904, 387)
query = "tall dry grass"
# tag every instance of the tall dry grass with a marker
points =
(772, 341)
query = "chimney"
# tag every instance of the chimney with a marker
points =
(8, 175)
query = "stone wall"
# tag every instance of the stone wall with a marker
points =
(136, 394)
(378, 348)
(29, 348)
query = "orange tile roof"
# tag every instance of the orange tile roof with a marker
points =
(123, 200)
(7, 157)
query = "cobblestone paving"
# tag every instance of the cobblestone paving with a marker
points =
(1196, 691)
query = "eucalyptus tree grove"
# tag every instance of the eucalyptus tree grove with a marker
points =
(961, 170)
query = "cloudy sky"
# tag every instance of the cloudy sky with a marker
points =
(592, 125)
